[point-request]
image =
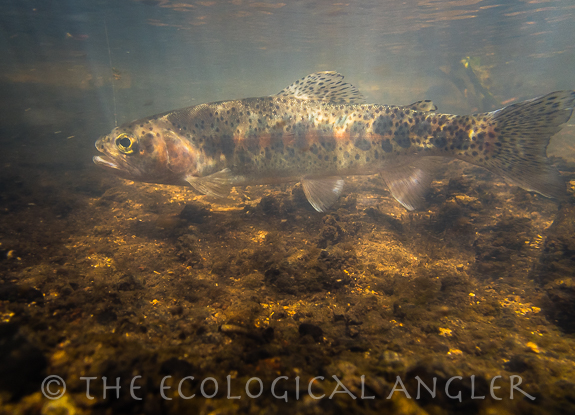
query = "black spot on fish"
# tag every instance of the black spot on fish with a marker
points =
(228, 144)
(243, 157)
(439, 141)
(362, 144)
(328, 143)
(277, 142)
(299, 130)
(210, 147)
(382, 125)
(358, 127)
(251, 142)
(148, 147)
(421, 128)
(386, 146)
(401, 137)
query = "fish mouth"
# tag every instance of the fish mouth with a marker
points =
(101, 161)
(120, 169)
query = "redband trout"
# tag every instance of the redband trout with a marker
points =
(319, 129)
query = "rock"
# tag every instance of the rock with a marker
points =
(556, 271)
(352, 331)
(22, 365)
(231, 328)
(352, 319)
(175, 366)
(311, 329)
(194, 213)
(331, 233)
(269, 205)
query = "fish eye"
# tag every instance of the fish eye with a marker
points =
(124, 144)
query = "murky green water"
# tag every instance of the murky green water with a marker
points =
(102, 277)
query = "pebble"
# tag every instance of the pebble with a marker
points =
(231, 328)
(532, 347)
(314, 331)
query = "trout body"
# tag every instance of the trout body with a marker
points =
(318, 130)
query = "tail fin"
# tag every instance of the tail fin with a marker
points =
(516, 143)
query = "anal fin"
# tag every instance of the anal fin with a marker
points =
(322, 193)
(218, 184)
(409, 183)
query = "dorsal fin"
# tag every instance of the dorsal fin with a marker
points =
(324, 86)
(425, 105)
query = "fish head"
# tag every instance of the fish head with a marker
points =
(147, 151)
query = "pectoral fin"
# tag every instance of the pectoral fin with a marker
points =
(409, 183)
(322, 193)
(218, 184)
